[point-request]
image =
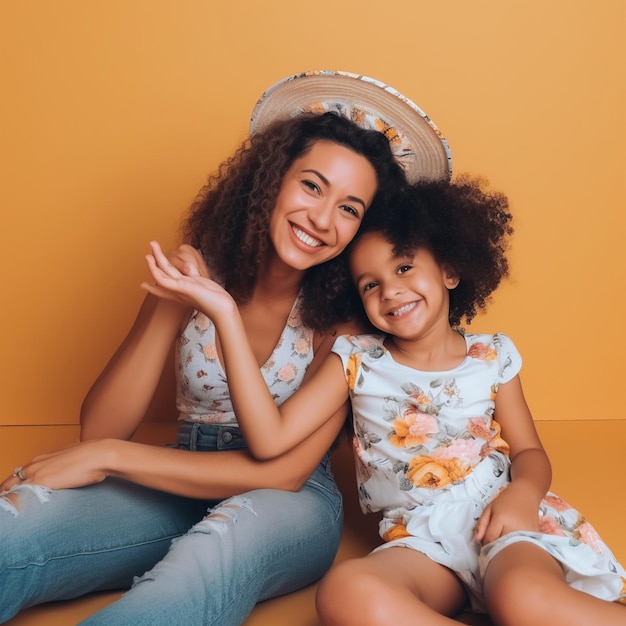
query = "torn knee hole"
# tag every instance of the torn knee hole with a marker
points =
(217, 513)
(226, 511)
(10, 502)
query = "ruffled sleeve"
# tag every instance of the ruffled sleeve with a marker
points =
(351, 348)
(509, 359)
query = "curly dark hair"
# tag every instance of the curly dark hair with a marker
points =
(464, 225)
(229, 219)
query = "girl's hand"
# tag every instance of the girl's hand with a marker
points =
(187, 282)
(76, 465)
(514, 508)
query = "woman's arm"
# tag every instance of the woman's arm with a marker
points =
(270, 431)
(207, 475)
(517, 506)
(119, 398)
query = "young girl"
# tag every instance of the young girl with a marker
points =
(445, 443)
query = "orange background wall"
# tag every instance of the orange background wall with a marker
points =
(114, 111)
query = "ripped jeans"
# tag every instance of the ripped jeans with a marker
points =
(186, 567)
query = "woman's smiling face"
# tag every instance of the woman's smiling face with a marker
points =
(321, 203)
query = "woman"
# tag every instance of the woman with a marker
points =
(270, 226)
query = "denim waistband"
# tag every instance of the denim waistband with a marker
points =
(207, 437)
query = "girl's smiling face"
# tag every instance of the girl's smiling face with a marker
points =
(321, 203)
(406, 296)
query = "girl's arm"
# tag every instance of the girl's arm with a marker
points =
(516, 508)
(116, 404)
(270, 431)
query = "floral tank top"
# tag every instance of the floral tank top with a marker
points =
(202, 393)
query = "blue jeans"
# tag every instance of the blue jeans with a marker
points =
(188, 567)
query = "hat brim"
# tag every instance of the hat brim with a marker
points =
(415, 140)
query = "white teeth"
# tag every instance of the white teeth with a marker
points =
(304, 238)
(404, 309)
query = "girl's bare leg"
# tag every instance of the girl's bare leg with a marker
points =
(525, 586)
(394, 586)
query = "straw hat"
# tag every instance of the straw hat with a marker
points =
(415, 140)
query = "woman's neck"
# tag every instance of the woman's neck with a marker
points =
(277, 281)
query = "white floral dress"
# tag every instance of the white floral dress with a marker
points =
(202, 389)
(430, 456)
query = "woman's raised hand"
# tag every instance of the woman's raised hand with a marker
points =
(189, 283)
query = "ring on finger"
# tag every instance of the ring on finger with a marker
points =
(18, 473)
